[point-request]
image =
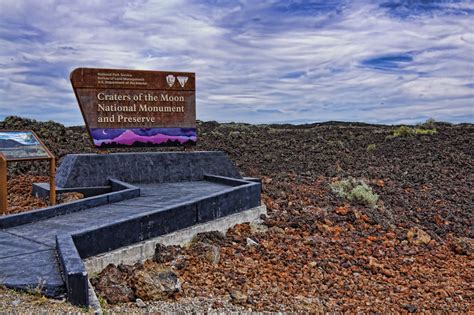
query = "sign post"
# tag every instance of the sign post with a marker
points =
(3, 185)
(52, 182)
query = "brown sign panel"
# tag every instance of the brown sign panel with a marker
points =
(132, 108)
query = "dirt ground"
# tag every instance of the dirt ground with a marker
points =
(402, 241)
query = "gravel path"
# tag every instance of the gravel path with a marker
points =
(24, 303)
(13, 302)
(185, 305)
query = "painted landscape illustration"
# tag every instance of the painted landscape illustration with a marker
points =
(142, 137)
(20, 145)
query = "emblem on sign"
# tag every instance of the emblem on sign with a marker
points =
(182, 81)
(170, 79)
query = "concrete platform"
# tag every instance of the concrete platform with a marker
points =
(17, 252)
(43, 249)
(157, 197)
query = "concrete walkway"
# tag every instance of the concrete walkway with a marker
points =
(28, 257)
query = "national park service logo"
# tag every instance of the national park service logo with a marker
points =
(170, 79)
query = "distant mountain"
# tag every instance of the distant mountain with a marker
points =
(8, 143)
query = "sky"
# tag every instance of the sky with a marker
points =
(388, 62)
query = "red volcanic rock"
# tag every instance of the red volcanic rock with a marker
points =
(112, 284)
(155, 283)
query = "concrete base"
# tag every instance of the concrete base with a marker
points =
(92, 170)
(142, 251)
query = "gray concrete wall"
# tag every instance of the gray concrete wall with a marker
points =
(86, 170)
(142, 251)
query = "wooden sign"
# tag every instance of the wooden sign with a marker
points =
(23, 145)
(131, 108)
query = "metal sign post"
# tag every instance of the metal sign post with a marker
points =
(3, 185)
(52, 182)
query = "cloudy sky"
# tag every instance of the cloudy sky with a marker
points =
(255, 61)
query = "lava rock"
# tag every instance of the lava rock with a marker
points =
(112, 284)
(417, 236)
(70, 197)
(212, 237)
(164, 254)
(139, 302)
(208, 252)
(238, 297)
(410, 308)
(462, 245)
(155, 283)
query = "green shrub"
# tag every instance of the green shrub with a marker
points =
(356, 191)
(363, 193)
(405, 131)
(421, 131)
(371, 147)
(342, 187)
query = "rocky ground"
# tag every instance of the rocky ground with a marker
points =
(20, 196)
(13, 302)
(360, 218)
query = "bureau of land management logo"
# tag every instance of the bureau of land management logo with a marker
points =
(182, 81)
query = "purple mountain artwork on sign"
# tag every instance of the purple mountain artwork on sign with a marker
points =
(142, 137)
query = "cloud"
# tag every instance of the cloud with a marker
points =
(257, 62)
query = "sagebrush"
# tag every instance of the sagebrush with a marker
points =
(355, 191)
